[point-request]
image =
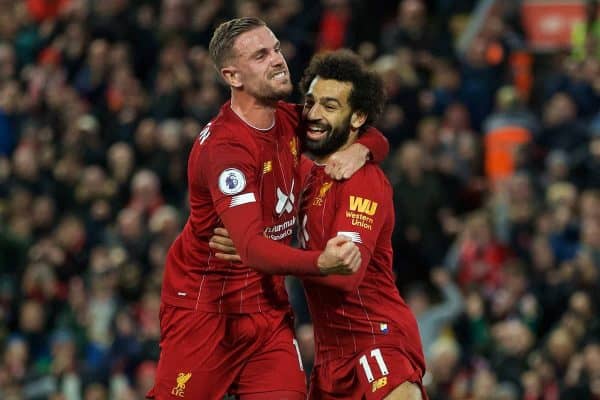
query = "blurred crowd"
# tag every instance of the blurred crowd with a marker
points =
(495, 164)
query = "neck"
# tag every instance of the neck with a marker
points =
(254, 112)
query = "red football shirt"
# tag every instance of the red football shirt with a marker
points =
(247, 180)
(353, 313)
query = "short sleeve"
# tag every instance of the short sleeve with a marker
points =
(231, 175)
(363, 204)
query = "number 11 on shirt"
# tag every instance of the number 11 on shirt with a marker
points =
(376, 354)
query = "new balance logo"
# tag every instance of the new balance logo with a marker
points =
(379, 383)
(285, 202)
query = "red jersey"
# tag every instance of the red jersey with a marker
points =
(248, 181)
(355, 312)
(251, 174)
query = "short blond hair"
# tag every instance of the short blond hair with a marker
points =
(223, 39)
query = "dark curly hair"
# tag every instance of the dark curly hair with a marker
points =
(367, 94)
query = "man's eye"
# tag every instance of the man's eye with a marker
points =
(330, 107)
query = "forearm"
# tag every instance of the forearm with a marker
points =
(452, 299)
(262, 254)
(450, 307)
(270, 257)
(376, 144)
(345, 283)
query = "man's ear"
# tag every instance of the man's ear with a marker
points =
(231, 76)
(358, 119)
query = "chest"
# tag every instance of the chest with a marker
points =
(278, 177)
(318, 211)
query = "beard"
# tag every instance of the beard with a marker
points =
(333, 140)
(268, 93)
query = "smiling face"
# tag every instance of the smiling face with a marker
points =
(258, 66)
(328, 116)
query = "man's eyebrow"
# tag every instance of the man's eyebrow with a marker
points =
(262, 50)
(328, 99)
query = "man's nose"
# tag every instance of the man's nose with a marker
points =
(313, 113)
(277, 59)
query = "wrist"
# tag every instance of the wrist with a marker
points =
(364, 151)
(322, 264)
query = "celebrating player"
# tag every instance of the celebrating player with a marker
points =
(225, 327)
(367, 340)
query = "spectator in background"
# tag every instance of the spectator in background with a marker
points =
(445, 88)
(557, 167)
(513, 207)
(562, 198)
(121, 163)
(26, 170)
(590, 239)
(585, 172)
(401, 83)
(445, 378)
(15, 360)
(334, 24)
(434, 318)
(508, 132)
(561, 130)
(418, 205)
(9, 111)
(412, 30)
(478, 257)
(90, 80)
(145, 191)
(8, 62)
(479, 83)
(585, 36)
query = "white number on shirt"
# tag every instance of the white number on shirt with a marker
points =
(376, 354)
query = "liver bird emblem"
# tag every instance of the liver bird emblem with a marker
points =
(182, 379)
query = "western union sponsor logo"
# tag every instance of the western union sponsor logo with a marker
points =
(364, 206)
